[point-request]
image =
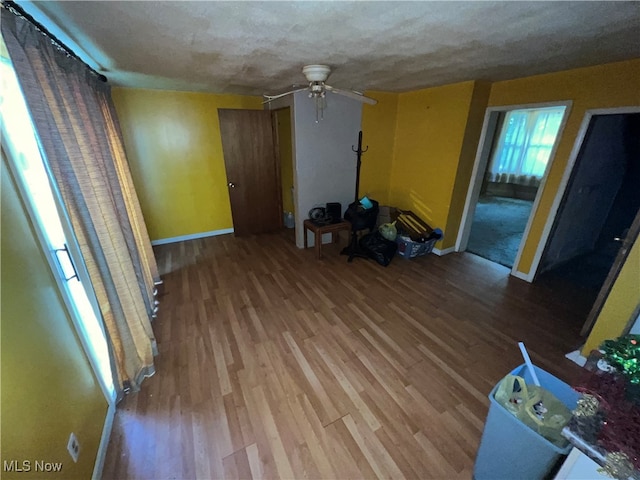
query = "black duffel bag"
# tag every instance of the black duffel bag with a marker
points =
(378, 248)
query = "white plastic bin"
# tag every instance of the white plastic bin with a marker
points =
(511, 450)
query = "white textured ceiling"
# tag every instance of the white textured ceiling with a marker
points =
(258, 47)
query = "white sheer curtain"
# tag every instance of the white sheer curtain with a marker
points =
(524, 145)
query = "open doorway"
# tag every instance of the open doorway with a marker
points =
(284, 147)
(597, 209)
(513, 159)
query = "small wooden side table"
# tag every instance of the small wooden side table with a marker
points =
(319, 230)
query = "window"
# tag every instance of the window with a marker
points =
(18, 138)
(524, 145)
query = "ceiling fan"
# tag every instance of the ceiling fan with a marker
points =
(316, 76)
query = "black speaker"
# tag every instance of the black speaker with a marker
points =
(334, 211)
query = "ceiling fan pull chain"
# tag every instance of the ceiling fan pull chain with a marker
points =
(319, 115)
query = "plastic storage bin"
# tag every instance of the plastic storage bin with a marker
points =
(407, 248)
(509, 449)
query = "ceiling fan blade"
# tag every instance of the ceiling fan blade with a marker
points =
(271, 98)
(352, 94)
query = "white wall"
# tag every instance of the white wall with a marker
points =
(325, 164)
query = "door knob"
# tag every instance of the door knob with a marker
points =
(618, 239)
(231, 185)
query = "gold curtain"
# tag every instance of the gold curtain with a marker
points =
(82, 146)
(141, 236)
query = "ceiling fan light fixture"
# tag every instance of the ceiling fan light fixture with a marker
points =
(316, 88)
(316, 73)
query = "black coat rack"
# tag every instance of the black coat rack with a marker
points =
(359, 151)
(359, 217)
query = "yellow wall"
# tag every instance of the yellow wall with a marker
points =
(378, 133)
(436, 135)
(283, 118)
(602, 86)
(174, 148)
(473, 129)
(422, 146)
(430, 132)
(48, 386)
(621, 303)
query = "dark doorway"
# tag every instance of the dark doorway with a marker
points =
(284, 142)
(601, 200)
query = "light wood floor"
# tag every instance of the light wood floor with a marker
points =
(274, 364)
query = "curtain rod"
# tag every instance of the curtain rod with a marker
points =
(19, 11)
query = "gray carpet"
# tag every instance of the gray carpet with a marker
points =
(497, 228)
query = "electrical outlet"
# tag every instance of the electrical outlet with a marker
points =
(73, 446)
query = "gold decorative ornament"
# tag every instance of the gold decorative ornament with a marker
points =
(617, 465)
(587, 406)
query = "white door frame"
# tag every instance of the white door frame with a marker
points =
(480, 165)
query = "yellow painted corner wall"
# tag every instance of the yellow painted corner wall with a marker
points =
(378, 134)
(473, 130)
(603, 86)
(48, 386)
(283, 118)
(174, 149)
(429, 135)
(620, 304)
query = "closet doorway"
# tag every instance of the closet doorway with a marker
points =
(514, 155)
(284, 151)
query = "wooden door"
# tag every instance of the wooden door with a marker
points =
(252, 170)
